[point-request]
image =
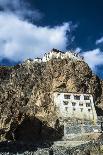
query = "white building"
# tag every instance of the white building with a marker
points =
(39, 60)
(74, 105)
(72, 55)
(56, 54)
(53, 54)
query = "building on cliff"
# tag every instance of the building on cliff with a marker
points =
(39, 60)
(56, 54)
(77, 112)
(75, 105)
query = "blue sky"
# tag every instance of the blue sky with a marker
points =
(29, 28)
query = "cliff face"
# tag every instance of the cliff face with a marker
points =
(26, 107)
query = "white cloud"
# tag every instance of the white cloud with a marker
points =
(20, 8)
(93, 58)
(21, 39)
(99, 41)
(78, 50)
(6, 4)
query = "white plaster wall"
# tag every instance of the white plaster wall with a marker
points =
(73, 55)
(37, 60)
(44, 59)
(68, 54)
(28, 61)
(52, 55)
(85, 114)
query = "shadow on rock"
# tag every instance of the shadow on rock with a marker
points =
(99, 111)
(29, 135)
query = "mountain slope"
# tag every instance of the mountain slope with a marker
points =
(26, 90)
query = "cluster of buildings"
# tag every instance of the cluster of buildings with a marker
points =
(72, 105)
(56, 54)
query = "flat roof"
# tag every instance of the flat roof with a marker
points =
(73, 93)
(37, 58)
(55, 50)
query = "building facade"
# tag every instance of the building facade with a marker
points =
(56, 54)
(53, 54)
(74, 105)
(39, 60)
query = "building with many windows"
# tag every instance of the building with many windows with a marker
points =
(75, 105)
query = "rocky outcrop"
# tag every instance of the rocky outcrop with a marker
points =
(58, 148)
(25, 94)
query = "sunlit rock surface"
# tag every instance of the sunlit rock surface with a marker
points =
(26, 109)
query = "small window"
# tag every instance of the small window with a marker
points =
(65, 102)
(67, 96)
(66, 108)
(89, 110)
(87, 104)
(73, 103)
(74, 109)
(86, 98)
(76, 97)
(81, 109)
(80, 104)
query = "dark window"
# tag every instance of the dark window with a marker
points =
(66, 108)
(81, 109)
(74, 109)
(65, 102)
(73, 103)
(67, 96)
(76, 97)
(86, 97)
(80, 104)
(89, 110)
(87, 104)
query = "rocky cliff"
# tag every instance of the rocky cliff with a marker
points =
(26, 108)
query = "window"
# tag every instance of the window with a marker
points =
(87, 104)
(65, 102)
(81, 109)
(76, 97)
(73, 103)
(86, 97)
(89, 110)
(80, 104)
(67, 96)
(74, 109)
(66, 108)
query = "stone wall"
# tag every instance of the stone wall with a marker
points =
(71, 131)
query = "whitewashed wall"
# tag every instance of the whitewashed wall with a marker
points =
(67, 111)
(52, 54)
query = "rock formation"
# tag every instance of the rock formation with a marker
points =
(26, 107)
